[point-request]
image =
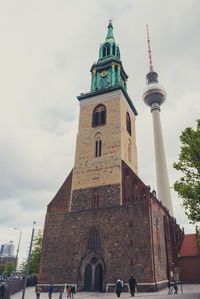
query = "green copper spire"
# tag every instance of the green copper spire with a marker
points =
(110, 32)
(108, 72)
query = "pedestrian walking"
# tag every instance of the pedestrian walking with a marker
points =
(73, 291)
(61, 292)
(37, 291)
(2, 290)
(51, 288)
(118, 287)
(69, 292)
(175, 288)
(132, 285)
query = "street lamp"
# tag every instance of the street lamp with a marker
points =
(20, 235)
(29, 256)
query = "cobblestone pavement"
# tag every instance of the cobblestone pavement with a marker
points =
(189, 292)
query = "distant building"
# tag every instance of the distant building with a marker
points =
(5, 260)
(7, 250)
(190, 259)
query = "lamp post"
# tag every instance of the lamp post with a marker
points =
(20, 235)
(29, 255)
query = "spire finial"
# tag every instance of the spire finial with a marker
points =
(149, 49)
(110, 31)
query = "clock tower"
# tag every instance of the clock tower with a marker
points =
(104, 222)
(106, 134)
(108, 71)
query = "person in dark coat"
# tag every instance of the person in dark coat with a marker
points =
(118, 287)
(132, 285)
(51, 288)
(175, 288)
(2, 290)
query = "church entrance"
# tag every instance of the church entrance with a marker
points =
(92, 273)
(98, 278)
(88, 278)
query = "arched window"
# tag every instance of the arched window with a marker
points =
(94, 240)
(113, 48)
(95, 199)
(98, 145)
(129, 150)
(99, 116)
(134, 186)
(118, 53)
(128, 123)
(106, 50)
(127, 187)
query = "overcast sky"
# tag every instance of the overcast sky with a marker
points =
(46, 50)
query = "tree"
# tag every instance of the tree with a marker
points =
(9, 268)
(2, 268)
(35, 255)
(188, 186)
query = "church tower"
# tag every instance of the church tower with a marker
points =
(106, 134)
(104, 222)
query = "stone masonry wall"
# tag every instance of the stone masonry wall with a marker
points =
(66, 236)
(109, 195)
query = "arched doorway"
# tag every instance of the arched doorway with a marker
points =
(98, 278)
(92, 273)
(88, 278)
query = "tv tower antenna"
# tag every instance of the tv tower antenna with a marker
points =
(149, 49)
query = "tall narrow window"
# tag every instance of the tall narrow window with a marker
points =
(94, 240)
(98, 145)
(95, 199)
(128, 123)
(127, 187)
(134, 186)
(108, 50)
(129, 150)
(118, 53)
(104, 51)
(113, 49)
(99, 116)
(158, 240)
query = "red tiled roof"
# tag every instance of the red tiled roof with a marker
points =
(189, 246)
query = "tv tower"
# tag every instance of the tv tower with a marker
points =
(154, 96)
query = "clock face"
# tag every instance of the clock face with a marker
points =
(104, 73)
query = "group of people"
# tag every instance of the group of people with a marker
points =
(120, 284)
(68, 290)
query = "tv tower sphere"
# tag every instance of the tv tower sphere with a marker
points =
(154, 93)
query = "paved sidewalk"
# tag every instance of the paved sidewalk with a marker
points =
(189, 292)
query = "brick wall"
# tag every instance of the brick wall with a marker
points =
(190, 269)
(64, 244)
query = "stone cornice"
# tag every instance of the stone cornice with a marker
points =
(107, 94)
